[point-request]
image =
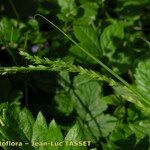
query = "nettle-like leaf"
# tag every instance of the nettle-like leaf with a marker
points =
(19, 126)
(68, 9)
(42, 133)
(26, 122)
(55, 134)
(142, 78)
(75, 134)
(89, 105)
(40, 130)
(65, 105)
(111, 41)
(88, 40)
(15, 128)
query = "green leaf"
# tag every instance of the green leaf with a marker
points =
(40, 132)
(75, 134)
(90, 107)
(99, 126)
(55, 130)
(88, 40)
(140, 128)
(142, 78)
(113, 100)
(109, 38)
(9, 31)
(33, 24)
(26, 122)
(11, 130)
(88, 93)
(85, 33)
(90, 12)
(11, 134)
(68, 9)
(55, 135)
(64, 104)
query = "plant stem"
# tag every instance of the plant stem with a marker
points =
(98, 61)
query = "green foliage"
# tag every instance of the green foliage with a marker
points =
(92, 84)
(88, 40)
(68, 9)
(142, 78)
(87, 95)
(90, 12)
(29, 132)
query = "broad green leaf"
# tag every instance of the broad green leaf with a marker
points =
(142, 78)
(64, 104)
(81, 56)
(90, 107)
(12, 130)
(68, 9)
(88, 93)
(99, 126)
(40, 132)
(10, 115)
(88, 40)
(62, 98)
(75, 134)
(85, 33)
(55, 135)
(26, 122)
(113, 46)
(110, 38)
(55, 130)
